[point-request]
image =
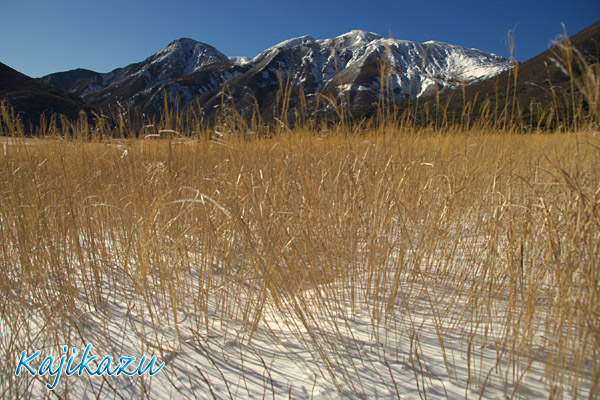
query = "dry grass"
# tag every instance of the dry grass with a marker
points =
(480, 225)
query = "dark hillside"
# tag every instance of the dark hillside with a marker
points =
(31, 98)
(541, 95)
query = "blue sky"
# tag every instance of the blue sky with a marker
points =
(38, 37)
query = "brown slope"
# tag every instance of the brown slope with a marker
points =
(31, 98)
(541, 87)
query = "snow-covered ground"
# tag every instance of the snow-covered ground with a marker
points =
(346, 339)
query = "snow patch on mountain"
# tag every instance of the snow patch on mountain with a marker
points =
(286, 43)
(240, 60)
(350, 40)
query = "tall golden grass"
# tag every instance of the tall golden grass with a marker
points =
(219, 224)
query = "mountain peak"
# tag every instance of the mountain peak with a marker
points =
(185, 41)
(188, 53)
(182, 44)
(185, 45)
(352, 39)
(362, 35)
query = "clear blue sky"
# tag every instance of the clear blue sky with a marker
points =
(38, 37)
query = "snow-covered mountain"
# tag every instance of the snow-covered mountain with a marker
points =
(181, 57)
(348, 66)
(353, 62)
(133, 83)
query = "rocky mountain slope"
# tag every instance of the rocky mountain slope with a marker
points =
(347, 67)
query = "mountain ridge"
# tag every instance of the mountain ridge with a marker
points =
(30, 98)
(187, 69)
